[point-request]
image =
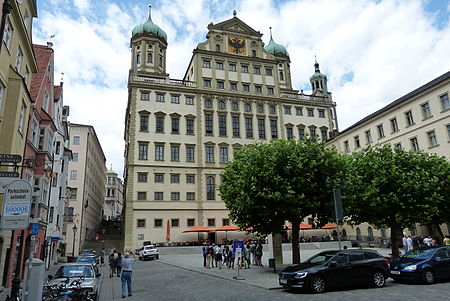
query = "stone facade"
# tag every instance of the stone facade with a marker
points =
(112, 209)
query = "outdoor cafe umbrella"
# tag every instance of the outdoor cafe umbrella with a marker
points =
(302, 227)
(226, 229)
(197, 229)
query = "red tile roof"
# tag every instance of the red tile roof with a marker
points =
(43, 55)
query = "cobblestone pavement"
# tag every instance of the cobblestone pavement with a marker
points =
(181, 277)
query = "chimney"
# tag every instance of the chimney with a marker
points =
(49, 45)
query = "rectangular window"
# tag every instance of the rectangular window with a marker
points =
(258, 89)
(189, 100)
(141, 223)
(321, 113)
(143, 123)
(189, 153)
(142, 196)
(287, 110)
(190, 179)
(368, 137)
(346, 147)
(2, 94)
(175, 125)
(19, 58)
(175, 178)
(380, 131)
(208, 124)
(73, 193)
(244, 69)
(209, 152)
(207, 83)
(310, 112)
(232, 67)
(143, 151)
(289, 133)
(298, 112)
(448, 131)
(142, 177)
(159, 178)
(270, 91)
(414, 144)
(159, 124)
(246, 87)
(190, 126)
(8, 33)
(222, 125)
(398, 145)
(301, 134)
(223, 154)
(175, 222)
(191, 222)
(261, 128)
(159, 153)
(233, 86)
(248, 127)
(394, 125)
(41, 139)
(73, 174)
(219, 65)
(268, 72)
(357, 144)
(323, 134)
(312, 133)
(74, 157)
(426, 112)
(445, 102)
(174, 153)
(21, 125)
(273, 129)
(225, 222)
(159, 196)
(174, 196)
(145, 96)
(235, 124)
(158, 223)
(206, 64)
(432, 141)
(220, 85)
(256, 70)
(175, 98)
(211, 222)
(409, 118)
(159, 97)
(190, 196)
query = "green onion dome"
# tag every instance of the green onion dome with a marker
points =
(149, 27)
(275, 48)
(317, 73)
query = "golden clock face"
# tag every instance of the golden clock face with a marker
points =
(237, 46)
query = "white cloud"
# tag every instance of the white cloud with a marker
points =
(390, 46)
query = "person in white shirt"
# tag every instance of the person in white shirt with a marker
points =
(126, 274)
(427, 241)
(218, 256)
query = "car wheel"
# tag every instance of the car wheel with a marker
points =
(428, 277)
(378, 279)
(318, 284)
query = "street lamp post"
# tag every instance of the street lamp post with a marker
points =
(74, 228)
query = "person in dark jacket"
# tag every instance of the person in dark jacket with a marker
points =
(119, 264)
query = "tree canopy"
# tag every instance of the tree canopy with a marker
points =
(267, 184)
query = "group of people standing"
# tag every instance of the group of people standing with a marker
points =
(122, 267)
(410, 243)
(216, 256)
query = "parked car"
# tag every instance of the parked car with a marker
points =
(426, 265)
(148, 252)
(337, 269)
(88, 259)
(76, 270)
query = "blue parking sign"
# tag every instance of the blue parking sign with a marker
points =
(238, 244)
(34, 229)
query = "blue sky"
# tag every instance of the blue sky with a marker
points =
(372, 51)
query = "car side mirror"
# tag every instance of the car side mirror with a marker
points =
(98, 275)
(437, 258)
(333, 263)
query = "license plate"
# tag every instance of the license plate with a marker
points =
(283, 281)
(395, 272)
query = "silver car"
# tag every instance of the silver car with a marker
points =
(75, 270)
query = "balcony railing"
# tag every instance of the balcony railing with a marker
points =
(164, 81)
(305, 97)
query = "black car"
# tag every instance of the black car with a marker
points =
(337, 269)
(423, 264)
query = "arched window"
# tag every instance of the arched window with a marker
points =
(358, 234)
(281, 75)
(369, 233)
(235, 106)
(210, 189)
(208, 103)
(260, 109)
(222, 105)
(272, 110)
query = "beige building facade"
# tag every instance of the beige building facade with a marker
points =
(112, 208)
(86, 183)
(417, 121)
(180, 134)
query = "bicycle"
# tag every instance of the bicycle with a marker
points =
(65, 291)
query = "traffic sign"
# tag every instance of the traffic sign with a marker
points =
(17, 206)
(10, 158)
(9, 174)
(4, 182)
(34, 229)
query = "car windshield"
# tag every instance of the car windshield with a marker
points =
(322, 257)
(85, 259)
(75, 271)
(419, 253)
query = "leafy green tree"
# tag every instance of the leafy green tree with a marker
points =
(267, 184)
(392, 187)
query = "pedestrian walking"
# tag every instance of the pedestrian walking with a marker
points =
(247, 256)
(405, 243)
(218, 255)
(409, 243)
(119, 264)
(253, 250)
(213, 255)
(102, 257)
(209, 257)
(112, 265)
(259, 253)
(230, 258)
(205, 254)
(126, 274)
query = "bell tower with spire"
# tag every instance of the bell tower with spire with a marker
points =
(148, 48)
(318, 81)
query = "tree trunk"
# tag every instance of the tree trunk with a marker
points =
(295, 242)
(440, 235)
(395, 241)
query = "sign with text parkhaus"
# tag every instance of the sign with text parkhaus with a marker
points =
(17, 206)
